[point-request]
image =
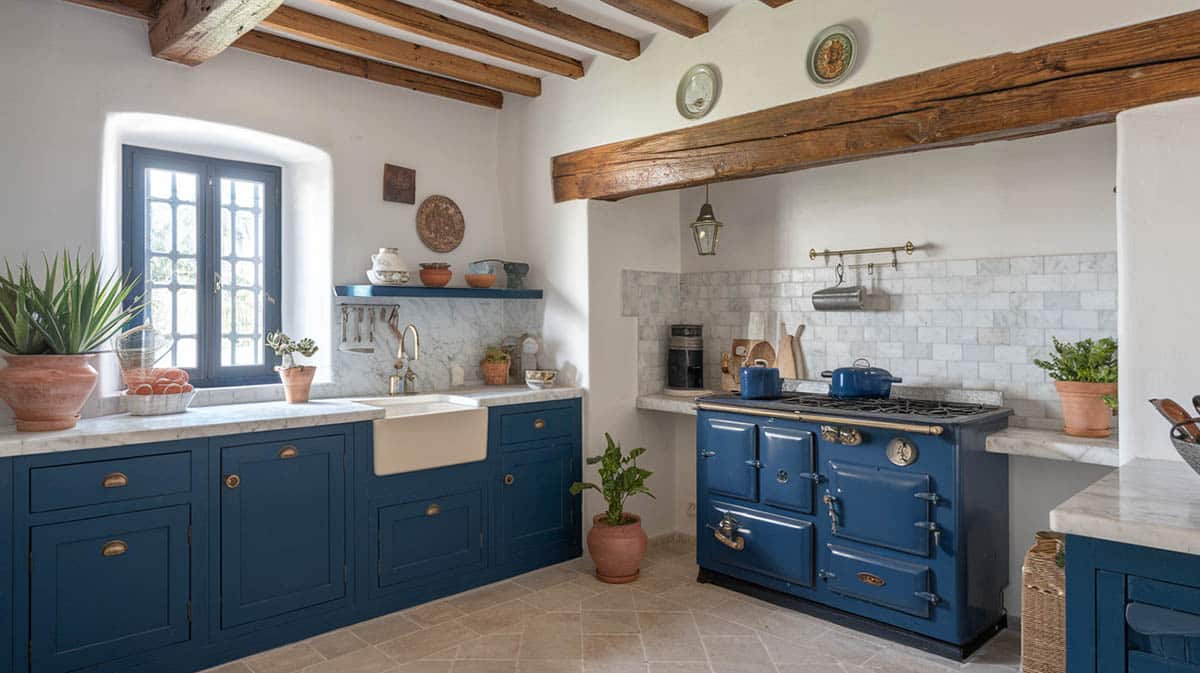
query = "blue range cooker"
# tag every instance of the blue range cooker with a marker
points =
(882, 514)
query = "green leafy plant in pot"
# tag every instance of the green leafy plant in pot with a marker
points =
(50, 330)
(616, 541)
(494, 366)
(297, 379)
(1085, 375)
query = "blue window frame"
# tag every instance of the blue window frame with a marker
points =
(203, 236)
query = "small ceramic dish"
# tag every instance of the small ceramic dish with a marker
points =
(158, 405)
(540, 378)
(387, 277)
(481, 280)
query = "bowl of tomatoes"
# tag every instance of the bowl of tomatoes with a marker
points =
(157, 391)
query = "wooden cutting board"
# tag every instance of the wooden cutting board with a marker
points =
(761, 350)
(786, 361)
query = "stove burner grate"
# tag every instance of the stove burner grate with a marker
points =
(898, 406)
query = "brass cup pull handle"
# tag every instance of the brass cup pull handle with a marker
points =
(736, 543)
(114, 548)
(288, 452)
(539, 424)
(115, 480)
(509, 479)
(433, 509)
(233, 481)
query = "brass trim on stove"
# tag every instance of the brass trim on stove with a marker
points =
(915, 428)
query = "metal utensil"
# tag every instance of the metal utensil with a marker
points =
(345, 343)
(839, 297)
(358, 346)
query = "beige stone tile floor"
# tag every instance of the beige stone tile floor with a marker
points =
(562, 620)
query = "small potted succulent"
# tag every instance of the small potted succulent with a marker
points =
(297, 379)
(50, 331)
(616, 541)
(494, 366)
(1085, 375)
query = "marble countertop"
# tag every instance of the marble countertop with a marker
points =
(1150, 503)
(1054, 445)
(231, 419)
(671, 404)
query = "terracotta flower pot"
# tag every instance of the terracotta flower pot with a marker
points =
(297, 382)
(617, 551)
(1084, 412)
(494, 373)
(47, 392)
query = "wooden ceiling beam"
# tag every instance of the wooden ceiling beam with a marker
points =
(1066, 85)
(327, 59)
(437, 27)
(348, 64)
(669, 14)
(551, 21)
(192, 31)
(337, 35)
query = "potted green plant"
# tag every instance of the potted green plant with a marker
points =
(50, 330)
(616, 541)
(297, 379)
(494, 366)
(1085, 375)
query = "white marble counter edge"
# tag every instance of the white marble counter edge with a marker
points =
(230, 419)
(1053, 445)
(670, 404)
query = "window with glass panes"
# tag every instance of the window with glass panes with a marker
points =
(203, 237)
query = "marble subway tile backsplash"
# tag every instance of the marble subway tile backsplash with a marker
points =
(973, 323)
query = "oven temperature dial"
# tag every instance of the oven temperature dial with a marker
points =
(902, 452)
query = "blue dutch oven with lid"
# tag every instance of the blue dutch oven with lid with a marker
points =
(860, 380)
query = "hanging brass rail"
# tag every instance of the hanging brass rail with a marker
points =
(908, 248)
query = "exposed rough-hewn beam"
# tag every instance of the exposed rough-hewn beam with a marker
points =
(349, 64)
(328, 32)
(437, 27)
(776, 3)
(141, 9)
(1070, 84)
(193, 31)
(666, 13)
(560, 24)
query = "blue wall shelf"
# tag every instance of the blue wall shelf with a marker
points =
(420, 291)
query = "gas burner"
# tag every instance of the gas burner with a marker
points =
(890, 406)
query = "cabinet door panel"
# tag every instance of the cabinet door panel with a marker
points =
(728, 450)
(108, 588)
(787, 468)
(431, 536)
(283, 541)
(536, 507)
(880, 506)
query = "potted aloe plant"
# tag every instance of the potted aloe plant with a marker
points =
(616, 541)
(50, 330)
(297, 379)
(1085, 375)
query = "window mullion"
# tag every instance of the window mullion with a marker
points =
(210, 304)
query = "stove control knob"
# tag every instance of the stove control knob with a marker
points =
(829, 433)
(902, 452)
(849, 437)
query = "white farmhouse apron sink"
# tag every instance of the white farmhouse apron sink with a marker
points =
(420, 432)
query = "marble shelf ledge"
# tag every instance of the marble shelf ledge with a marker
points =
(1151, 503)
(669, 404)
(1054, 445)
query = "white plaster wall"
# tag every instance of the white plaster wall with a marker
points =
(1159, 233)
(64, 68)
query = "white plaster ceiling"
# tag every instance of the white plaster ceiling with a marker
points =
(594, 11)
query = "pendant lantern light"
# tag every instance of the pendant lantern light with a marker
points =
(706, 229)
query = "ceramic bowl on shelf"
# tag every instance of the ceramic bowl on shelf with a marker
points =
(387, 277)
(481, 280)
(538, 379)
(436, 274)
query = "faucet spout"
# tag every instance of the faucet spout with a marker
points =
(407, 381)
(416, 352)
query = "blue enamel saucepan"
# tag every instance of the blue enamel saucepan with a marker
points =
(860, 380)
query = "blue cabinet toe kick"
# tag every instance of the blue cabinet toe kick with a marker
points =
(856, 622)
(179, 556)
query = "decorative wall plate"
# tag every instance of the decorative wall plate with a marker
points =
(698, 91)
(832, 55)
(440, 224)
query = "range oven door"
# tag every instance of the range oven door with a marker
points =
(728, 458)
(880, 506)
(888, 582)
(776, 546)
(786, 478)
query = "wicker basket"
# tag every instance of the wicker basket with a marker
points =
(1044, 607)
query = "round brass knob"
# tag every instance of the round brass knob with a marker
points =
(508, 480)
(539, 424)
(233, 481)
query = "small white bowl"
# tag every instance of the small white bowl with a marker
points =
(387, 277)
(538, 379)
(158, 405)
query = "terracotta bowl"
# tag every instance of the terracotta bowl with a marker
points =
(481, 280)
(436, 277)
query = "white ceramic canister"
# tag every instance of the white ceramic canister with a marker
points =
(387, 259)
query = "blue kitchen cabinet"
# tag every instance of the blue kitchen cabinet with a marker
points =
(536, 509)
(7, 550)
(1131, 609)
(109, 587)
(283, 526)
(425, 538)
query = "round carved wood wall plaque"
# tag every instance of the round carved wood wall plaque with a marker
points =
(440, 224)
